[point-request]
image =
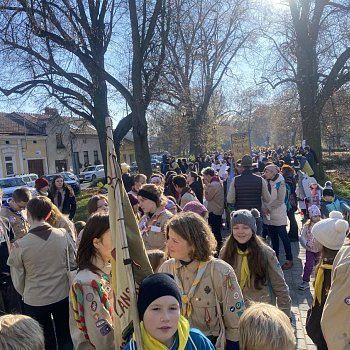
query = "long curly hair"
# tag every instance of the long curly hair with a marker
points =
(257, 259)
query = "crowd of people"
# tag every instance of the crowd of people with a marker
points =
(206, 292)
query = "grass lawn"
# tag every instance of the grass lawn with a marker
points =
(337, 169)
(340, 181)
(82, 199)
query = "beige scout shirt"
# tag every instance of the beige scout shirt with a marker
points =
(98, 321)
(38, 264)
(335, 321)
(224, 284)
(277, 288)
(153, 229)
(18, 222)
(214, 194)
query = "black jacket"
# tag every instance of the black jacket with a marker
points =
(198, 190)
(248, 188)
(69, 206)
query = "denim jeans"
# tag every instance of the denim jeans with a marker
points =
(276, 232)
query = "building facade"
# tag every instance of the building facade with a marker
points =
(22, 146)
(49, 143)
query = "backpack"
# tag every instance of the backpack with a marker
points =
(290, 199)
(287, 197)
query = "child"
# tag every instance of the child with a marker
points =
(162, 326)
(258, 271)
(263, 326)
(307, 240)
(19, 332)
(330, 235)
(315, 195)
(329, 201)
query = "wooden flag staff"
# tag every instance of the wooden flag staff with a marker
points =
(121, 261)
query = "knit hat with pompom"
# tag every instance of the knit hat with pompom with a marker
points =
(245, 217)
(331, 232)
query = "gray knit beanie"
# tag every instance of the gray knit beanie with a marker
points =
(245, 217)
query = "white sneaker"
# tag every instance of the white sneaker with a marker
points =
(304, 285)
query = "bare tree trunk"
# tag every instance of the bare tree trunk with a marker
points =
(140, 131)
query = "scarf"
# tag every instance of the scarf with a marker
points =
(245, 272)
(186, 298)
(147, 222)
(215, 179)
(319, 281)
(150, 343)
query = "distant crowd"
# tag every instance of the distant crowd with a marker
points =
(206, 292)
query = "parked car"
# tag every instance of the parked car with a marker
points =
(10, 184)
(71, 175)
(73, 183)
(92, 173)
(133, 167)
(29, 179)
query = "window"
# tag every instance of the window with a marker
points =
(9, 166)
(59, 141)
(86, 158)
(95, 156)
(34, 141)
(7, 142)
(84, 140)
(124, 157)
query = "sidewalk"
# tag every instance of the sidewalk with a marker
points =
(301, 300)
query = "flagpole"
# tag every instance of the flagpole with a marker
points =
(115, 183)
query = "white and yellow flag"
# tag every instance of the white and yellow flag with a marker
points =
(130, 263)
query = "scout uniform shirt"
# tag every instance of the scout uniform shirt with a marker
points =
(336, 313)
(153, 229)
(275, 287)
(218, 286)
(90, 310)
(18, 220)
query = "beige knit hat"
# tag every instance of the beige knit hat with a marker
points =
(331, 232)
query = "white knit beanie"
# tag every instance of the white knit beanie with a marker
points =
(331, 232)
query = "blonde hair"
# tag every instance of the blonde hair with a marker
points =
(196, 231)
(265, 327)
(19, 332)
(58, 220)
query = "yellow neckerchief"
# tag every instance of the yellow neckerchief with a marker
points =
(245, 272)
(151, 343)
(319, 281)
(186, 298)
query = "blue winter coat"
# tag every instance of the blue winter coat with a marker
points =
(196, 341)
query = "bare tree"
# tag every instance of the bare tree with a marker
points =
(313, 46)
(60, 47)
(205, 38)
